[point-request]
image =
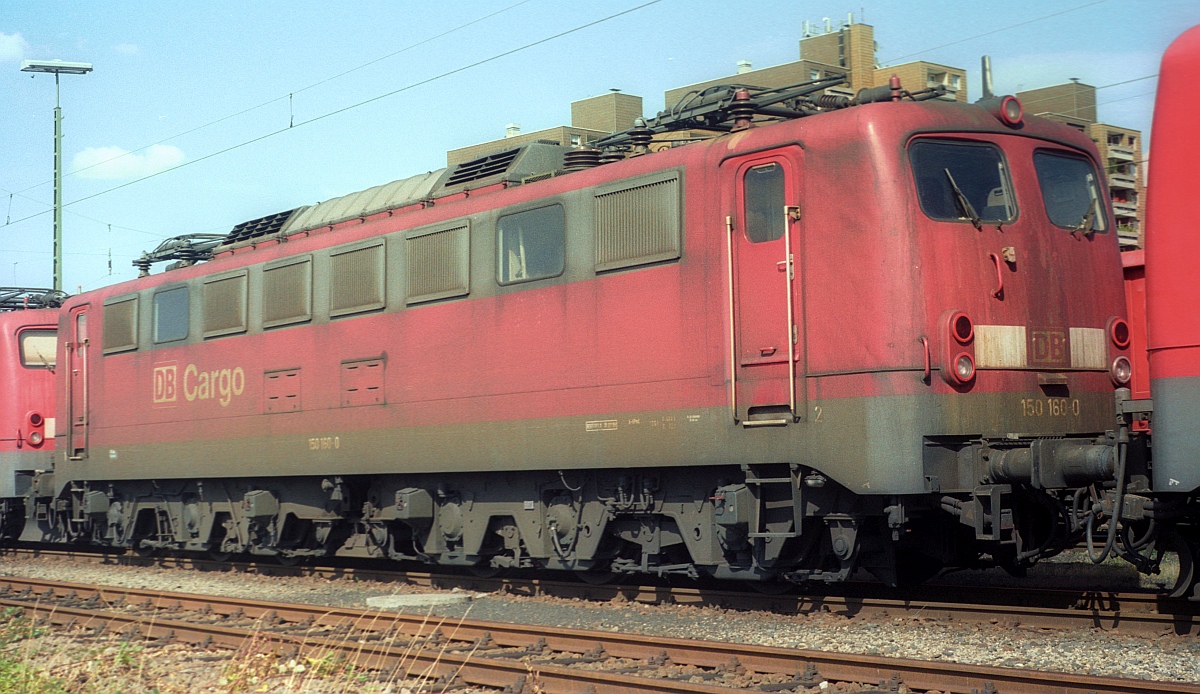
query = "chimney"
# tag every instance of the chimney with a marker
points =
(512, 129)
(987, 77)
(744, 66)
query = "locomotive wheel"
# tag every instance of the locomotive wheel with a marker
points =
(1175, 543)
(288, 559)
(219, 556)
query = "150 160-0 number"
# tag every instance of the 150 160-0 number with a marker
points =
(324, 443)
(1050, 407)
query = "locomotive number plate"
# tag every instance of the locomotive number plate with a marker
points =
(324, 443)
(1050, 407)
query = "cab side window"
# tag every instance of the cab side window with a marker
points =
(531, 244)
(171, 315)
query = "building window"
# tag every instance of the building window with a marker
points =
(955, 82)
(531, 245)
(576, 140)
(120, 325)
(171, 315)
(1114, 138)
(814, 74)
(39, 348)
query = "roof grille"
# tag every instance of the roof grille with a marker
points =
(483, 167)
(255, 228)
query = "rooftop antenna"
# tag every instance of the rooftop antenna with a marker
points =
(828, 24)
(987, 77)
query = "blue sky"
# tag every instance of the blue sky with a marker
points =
(163, 70)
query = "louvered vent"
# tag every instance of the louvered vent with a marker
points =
(225, 305)
(255, 228)
(120, 325)
(287, 293)
(482, 168)
(438, 264)
(638, 224)
(356, 280)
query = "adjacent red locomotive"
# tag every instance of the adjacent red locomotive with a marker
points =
(28, 343)
(885, 335)
(1173, 344)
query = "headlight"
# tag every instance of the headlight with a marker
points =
(964, 367)
(1121, 370)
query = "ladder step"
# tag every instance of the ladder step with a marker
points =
(772, 535)
(766, 422)
(768, 480)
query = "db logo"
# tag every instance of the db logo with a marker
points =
(166, 383)
(1049, 348)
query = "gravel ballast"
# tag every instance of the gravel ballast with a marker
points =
(1087, 651)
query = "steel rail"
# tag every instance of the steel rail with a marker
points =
(40, 595)
(1138, 613)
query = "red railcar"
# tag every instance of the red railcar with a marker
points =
(28, 348)
(877, 337)
(1172, 247)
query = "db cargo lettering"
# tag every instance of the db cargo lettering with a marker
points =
(221, 385)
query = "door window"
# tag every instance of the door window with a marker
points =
(763, 192)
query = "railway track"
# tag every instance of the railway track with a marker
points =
(516, 657)
(1140, 613)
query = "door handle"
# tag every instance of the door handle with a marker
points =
(999, 291)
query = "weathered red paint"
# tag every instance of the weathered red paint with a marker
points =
(873, 275)
(26, 390)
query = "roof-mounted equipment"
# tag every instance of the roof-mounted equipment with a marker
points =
(714, 107)
(20, 298)
(185, 250)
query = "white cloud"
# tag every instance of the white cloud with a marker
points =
(127, 49)
(12, 47)
(114, 163)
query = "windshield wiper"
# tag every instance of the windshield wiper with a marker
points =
(964, 205)
(1088, 224)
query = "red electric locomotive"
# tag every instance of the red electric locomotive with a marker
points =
(1170, 297)
(880, 333)
(28, 345)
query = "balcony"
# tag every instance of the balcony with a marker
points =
(1120, 153)
(1124, 181)
(1125, 209)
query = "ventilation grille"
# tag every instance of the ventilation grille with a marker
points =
(438, 265)
(120, 326)
(255, 228)
(356, 280)
(637, 225)
(483, 167)
(225, 306)
(287, 293)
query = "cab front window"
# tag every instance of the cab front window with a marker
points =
(959, 181)
(1070, 191)
(39, 348)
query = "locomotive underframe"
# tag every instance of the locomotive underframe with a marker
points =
(772, 522)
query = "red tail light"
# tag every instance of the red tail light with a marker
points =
(956, 337)
(1118, 332)
(37, 429)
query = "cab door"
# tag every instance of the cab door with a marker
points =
(77, 384)
(762, 195)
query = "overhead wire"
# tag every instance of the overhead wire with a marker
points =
(289, 95)
(359, 104)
